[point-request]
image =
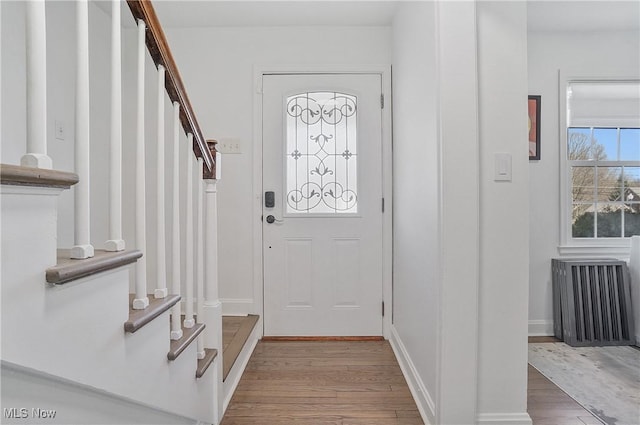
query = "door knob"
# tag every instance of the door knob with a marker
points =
(270, 219)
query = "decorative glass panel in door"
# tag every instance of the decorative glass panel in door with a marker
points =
(321, 153)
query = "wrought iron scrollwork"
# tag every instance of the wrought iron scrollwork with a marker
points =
(325, 117)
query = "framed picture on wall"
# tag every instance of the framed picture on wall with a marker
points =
(534, 127)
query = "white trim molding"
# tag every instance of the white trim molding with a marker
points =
(237, 306)
(569, 246)
(419, 391)
(540, 327)
(504, 419)
(40, 387)
(620, 250)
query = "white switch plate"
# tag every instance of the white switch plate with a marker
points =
(502, 167)
(60, 130)
(229, 146)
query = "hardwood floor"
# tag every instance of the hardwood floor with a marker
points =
(322, 383)
(549, 405)
(354, 383)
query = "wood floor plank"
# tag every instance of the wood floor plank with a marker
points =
(549, 405)
(322, 383)
(355, 383)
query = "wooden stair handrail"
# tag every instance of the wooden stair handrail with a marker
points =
(161, 54)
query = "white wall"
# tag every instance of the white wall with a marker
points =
(592, 54)
(415, 190)
(73, 403)
(217, 65)
(61, 60)
(504, 214)
(460, 256)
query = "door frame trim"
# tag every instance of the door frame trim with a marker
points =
(387, 184)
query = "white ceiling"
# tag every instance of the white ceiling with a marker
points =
(583, 15)
(542, 15)
(275, 13)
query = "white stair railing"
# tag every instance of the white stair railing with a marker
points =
(115, 242)
(82, 242)
(161, 260)
(141, 300)
(176, 327)
(189, 322)
(200, 192)
(36, 44)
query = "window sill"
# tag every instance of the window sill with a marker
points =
(620, 250)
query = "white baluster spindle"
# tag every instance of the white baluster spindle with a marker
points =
(200, 255)
(36, 44)
(188, 254)
(161, 261)
(115, 242)
(141, 300)
(82, 245)
(176, 311)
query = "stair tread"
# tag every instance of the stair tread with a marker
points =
(69, 269)
(203, 364)
(29, 176)
(188, 336)
(233, 349)
(157, 306)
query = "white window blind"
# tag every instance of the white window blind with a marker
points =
(603, 104)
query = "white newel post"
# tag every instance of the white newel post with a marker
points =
(189, 282)
(176, 311)
(141, 300)
(115, 242)
(36, 39)
(82, 245)
(212, 307)
(200, 255)
(161, 261)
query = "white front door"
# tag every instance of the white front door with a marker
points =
(322, 161)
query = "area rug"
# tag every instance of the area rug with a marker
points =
(604, 380)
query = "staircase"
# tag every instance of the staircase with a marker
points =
(124, 328)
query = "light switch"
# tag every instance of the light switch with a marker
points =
(229, 145)
(502, 167)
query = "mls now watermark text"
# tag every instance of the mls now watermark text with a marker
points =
(25, 413)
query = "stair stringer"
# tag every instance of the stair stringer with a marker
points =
(75, 331)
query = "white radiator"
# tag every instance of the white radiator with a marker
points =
(592, 302)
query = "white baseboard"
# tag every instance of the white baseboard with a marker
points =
(540, 327)
(420, 394)
(237, 306)
(504, 419)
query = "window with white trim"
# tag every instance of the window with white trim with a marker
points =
(603, 159)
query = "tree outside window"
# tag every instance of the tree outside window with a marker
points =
(605, 181)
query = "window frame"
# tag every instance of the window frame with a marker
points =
(618, 246)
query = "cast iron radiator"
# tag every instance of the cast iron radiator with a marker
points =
(592, 302)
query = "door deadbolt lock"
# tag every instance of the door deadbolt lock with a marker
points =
(269, 199)
(270, 219)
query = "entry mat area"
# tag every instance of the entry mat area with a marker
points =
(604, 380)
